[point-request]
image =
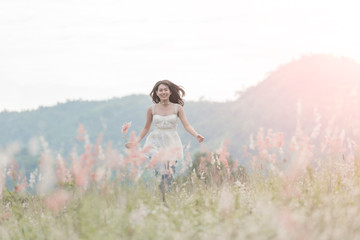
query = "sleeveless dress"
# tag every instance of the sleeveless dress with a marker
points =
(164, 138)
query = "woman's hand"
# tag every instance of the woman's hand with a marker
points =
(199, 138)
(130, 144)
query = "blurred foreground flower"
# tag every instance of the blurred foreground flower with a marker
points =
(57, 200)
(125, 129)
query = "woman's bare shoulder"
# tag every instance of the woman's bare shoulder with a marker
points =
(180, 108)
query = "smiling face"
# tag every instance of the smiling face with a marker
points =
(163, 92)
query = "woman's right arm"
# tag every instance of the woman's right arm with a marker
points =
(145, 130)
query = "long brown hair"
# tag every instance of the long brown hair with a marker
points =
(177, 92)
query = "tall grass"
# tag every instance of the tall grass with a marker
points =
(294, 190)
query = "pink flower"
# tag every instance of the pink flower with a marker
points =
(280, 139)
(21, 186)
(12, 172)
(62, 172)
(81, 133)
(57, 200)
(246, 153)
(224, 154)
(81, 173)
(126, 127)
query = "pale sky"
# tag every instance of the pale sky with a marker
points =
(57, 50)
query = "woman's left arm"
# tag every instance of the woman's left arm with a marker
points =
(186, 124)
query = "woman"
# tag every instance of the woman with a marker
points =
(168, 107)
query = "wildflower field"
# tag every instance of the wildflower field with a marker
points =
(295, 190)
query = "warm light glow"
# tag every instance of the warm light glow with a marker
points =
(51, 51)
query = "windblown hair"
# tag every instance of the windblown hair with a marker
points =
(177, 92)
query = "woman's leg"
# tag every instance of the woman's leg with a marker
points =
(166, 180)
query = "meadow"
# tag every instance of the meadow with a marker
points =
(307, 188)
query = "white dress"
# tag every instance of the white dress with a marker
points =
(165, 138)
